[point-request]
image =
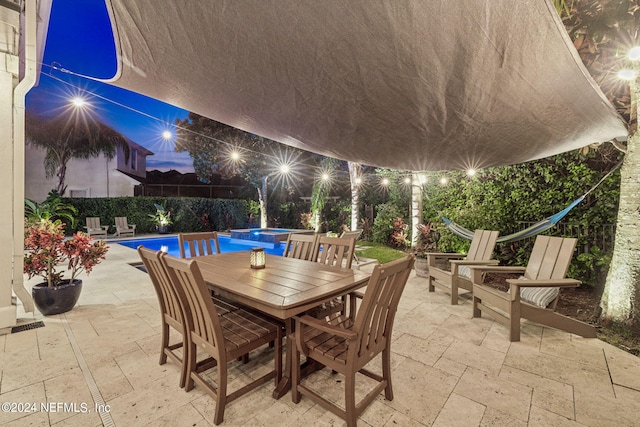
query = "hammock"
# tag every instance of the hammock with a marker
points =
(534, 229)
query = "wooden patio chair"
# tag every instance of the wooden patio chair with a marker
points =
(123, 228)
(222, 338)
(355, 235)
(459, 275)
(531, 294)
(339, 252)
(347, 344)
(199, 243)
(335, 251)
(94, 229)
(300, 246)
(170, 310)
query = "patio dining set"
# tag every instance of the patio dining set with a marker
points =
(223, 310)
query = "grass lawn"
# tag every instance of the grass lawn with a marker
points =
(377, 251)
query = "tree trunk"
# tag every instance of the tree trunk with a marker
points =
(622, 287)
(416, 207)
(354, 174)
(262, 199)
(62, 173)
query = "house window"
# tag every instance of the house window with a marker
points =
(75, 193)
(133, 156)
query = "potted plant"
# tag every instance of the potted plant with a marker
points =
(162, 219)
(427, 241)
(46, 251)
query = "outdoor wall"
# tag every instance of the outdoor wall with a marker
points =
(85, 178)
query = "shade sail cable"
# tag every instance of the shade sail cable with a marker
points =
(532, 230)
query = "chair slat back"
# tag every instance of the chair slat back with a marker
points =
(169, 302)
(300, 246)
(121, 222)
(201, 318)
(482, 245)
(351, 234)
(93, 222)
(199, 243)
(550, 258)
(332, 250)
(374, 319)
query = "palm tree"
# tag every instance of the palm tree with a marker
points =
(602, 31)
(66, 138)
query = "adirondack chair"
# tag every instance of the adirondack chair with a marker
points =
(94, 228)
(459, 275)
(534, 295)
(123, 228)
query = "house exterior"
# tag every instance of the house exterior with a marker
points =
(96, 177)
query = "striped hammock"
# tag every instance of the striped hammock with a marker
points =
(534, 229)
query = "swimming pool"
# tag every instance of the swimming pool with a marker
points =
(170, 245)
(266, 235)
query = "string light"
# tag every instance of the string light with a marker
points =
(234, 152)
(79, 102)
(634, 53)
(626, 74)
(471, 172)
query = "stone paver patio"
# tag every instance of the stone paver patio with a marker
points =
(448, 369)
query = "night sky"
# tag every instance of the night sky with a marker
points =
(80, 39)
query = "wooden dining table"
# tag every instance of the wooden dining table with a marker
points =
(285, 288)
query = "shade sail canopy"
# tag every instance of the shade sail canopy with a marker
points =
(409, 84)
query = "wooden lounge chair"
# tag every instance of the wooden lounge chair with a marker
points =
(459, 275)
(300, 246)
(222, 338)
(94, 229)
(199, 243)
(530, 295)
(123, 228)
(347, 344)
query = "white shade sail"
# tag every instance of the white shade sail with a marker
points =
(406, 84)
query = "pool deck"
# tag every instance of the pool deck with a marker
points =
(448, 369)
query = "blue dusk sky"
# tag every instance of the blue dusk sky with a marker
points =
(80, 40)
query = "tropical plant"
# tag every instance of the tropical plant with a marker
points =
(65, 138)
(427, 239)
(46, 249)
(162, 216)
(51, 209)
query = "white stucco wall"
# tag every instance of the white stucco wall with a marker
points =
(98, 177)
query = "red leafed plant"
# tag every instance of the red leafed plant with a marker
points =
(46, 248)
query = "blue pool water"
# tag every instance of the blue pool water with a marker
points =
(226, 245)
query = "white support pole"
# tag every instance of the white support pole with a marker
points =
(26, 83)
(12, 94)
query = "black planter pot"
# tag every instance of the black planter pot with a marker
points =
(56, 299)
(164, 229)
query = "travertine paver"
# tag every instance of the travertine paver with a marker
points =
(448, 368)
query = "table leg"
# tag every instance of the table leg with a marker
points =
(285, 383)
